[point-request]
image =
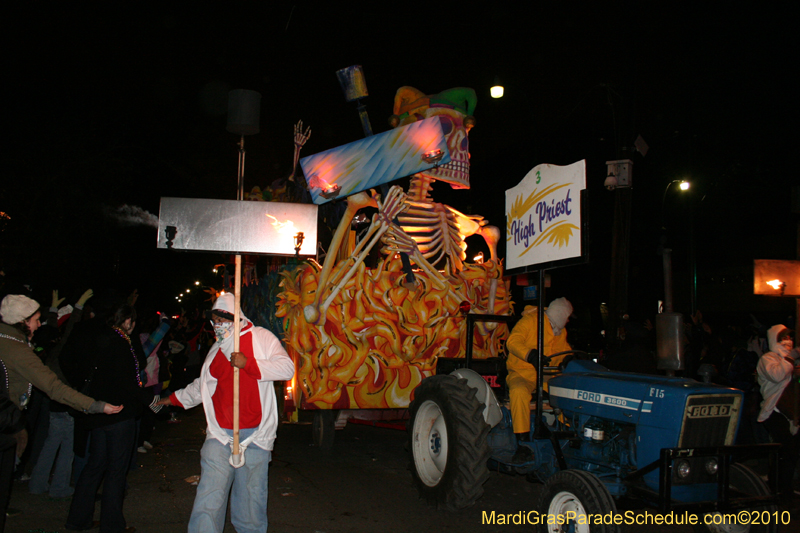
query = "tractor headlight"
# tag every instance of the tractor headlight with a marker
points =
(683, 469)
(712, 466)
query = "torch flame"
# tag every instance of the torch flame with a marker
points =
(282, 227)
(775, 284)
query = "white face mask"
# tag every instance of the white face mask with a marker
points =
(223, 330)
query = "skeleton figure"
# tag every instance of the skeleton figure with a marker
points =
(438, 229)
(412, 224)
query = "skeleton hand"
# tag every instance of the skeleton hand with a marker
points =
(392, 206)
(396, 240)
(301, 137)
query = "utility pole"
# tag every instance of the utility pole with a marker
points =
(619, 181)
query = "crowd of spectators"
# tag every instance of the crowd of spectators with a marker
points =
(79, 398)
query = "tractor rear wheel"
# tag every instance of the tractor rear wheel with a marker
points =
(570, 496)
(447, 442)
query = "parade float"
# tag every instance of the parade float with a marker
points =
(364, 331)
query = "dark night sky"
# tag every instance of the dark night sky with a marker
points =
(123, 104)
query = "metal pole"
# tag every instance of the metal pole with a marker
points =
(540, 363)
(666, 254)
(620, 259)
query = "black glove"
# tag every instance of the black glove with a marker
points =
(533, 357)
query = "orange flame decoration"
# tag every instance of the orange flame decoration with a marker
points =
(380, 340)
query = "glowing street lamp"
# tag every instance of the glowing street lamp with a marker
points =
(496, 91)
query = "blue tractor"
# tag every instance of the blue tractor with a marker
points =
(601, 436)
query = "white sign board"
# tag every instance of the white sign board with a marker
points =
(543, 215)
(231, 226)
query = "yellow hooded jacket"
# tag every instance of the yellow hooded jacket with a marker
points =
(524, 338)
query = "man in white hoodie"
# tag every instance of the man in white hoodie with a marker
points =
(261, 360)
(776, 369)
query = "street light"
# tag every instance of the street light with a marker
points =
(497, 90)
(669, 324)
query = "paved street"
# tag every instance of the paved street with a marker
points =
(362, 486)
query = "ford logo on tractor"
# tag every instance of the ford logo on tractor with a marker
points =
(709, 411)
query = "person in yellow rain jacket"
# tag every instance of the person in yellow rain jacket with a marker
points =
(522, 358)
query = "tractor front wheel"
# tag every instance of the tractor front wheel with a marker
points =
(569, 497)
(447, 441)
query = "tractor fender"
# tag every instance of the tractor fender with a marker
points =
(492, 413)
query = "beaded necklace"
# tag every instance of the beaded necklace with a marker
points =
(135, 359)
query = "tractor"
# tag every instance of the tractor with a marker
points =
(598, 436)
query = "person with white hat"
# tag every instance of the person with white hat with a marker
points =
(522, 358)
(24, 369)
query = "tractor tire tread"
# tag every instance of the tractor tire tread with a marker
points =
(462, 486)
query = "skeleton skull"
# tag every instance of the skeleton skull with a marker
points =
(448, 106)
(456, 172)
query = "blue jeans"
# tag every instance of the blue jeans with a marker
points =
(247, 486)
(110, 451)
(59, 441)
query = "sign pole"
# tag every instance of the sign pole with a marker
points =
(244, 108)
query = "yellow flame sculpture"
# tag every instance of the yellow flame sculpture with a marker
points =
(380, 340)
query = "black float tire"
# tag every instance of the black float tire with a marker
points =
(578, 491)
(743, 479)
(323, 429)
(447, 442)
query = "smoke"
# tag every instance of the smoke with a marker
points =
(131, 215)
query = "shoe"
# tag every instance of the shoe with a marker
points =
(141, 449)
(147, 445)
(24, 477)
(522, 455)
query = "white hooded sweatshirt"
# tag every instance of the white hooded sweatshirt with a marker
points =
(268, 360)
(774, 372)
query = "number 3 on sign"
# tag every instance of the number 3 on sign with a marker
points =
(538, 177)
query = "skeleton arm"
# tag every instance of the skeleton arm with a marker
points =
(382, 221)
(300, 138)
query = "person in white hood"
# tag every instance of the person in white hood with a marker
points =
(776, 369)
(261, 360)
